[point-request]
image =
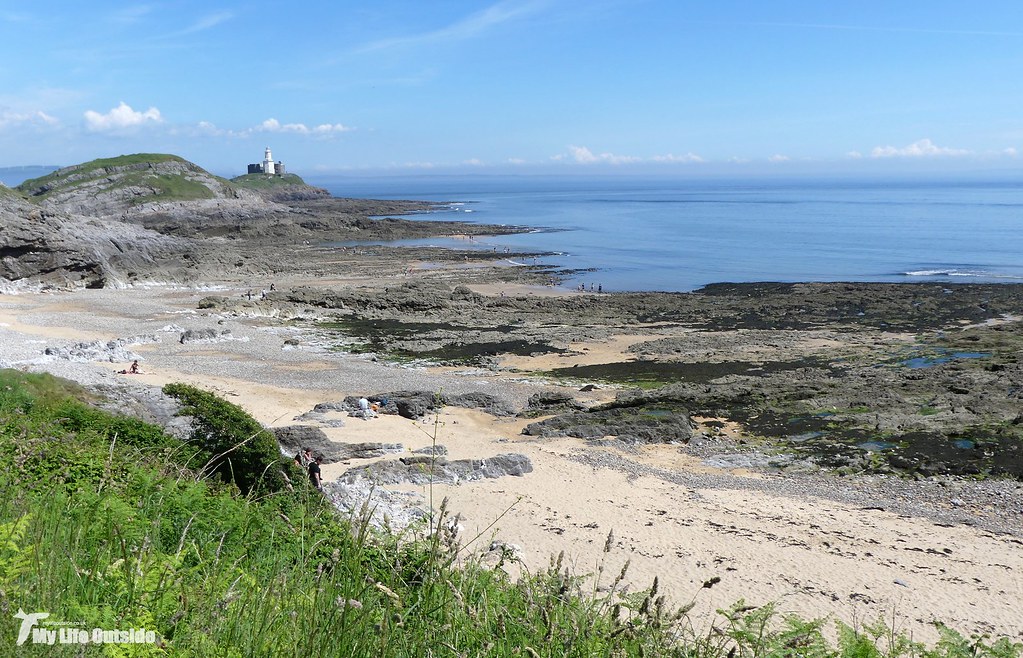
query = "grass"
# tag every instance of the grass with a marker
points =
(108, 522)
(264, 182)
(166, 187)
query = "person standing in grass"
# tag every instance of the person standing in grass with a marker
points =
(314, 472)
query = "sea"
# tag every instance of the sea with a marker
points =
(624, 233)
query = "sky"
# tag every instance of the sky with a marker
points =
(672, 87)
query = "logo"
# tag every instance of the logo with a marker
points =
(53, 632)
(27, 622)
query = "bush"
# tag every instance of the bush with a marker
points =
(240, 450)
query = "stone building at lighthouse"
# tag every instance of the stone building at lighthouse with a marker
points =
(267, 166)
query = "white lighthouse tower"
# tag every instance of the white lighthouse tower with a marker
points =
(268, 163)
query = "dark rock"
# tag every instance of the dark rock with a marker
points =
(294, 438)
(630, 424)
(483, 401)
(206, 335)
(424, 469)
(549, 402)
(437, 450)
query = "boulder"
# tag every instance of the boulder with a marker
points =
(628, 424)
(207, 335)
(294, 438)
(550, 402)
(424, 469)
(112, 351)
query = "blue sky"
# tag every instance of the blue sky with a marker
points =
(519, 86)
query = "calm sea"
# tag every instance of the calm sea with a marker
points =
(656, 234)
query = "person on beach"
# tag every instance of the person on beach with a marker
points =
(314, 473)
(133, 369)
(364, 407)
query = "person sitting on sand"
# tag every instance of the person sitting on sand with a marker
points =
(133, 369)
(367, 412)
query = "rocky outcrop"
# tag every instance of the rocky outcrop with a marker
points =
(632, 418)
(206, 335)
(416, 404)
(424, 469)
(112, 351)
(550, 402)
(43, 246)
(295, 438)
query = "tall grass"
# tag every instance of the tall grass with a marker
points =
(105, 522)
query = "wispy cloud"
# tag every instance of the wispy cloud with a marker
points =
(272, 125)
(120, 118)
(778, 157)
(894, 29)
(472, 26)
(10, 118)
(670, 157)
(15, 16)
(204, 23)
(131, 15)
(583, 155)
(923, 148)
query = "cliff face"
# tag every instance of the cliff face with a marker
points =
(44, 246)
(115, 221)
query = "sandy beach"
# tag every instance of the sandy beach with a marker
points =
(853, 549)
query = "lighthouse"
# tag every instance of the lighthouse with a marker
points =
(268, 163)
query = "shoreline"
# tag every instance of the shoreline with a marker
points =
(853, 547)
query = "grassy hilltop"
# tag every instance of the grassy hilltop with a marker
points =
(220, 547)
(145, 175)
(110, 185)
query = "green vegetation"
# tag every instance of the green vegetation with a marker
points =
(263, 182)
(107, 522)
(9, 192)
(166, 187)
(82, 170)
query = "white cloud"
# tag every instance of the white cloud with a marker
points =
(855, 155)
(474, 162)
(923, 148)
(583, 155)
(274, 126)
(688, 157)
(34, 118)
(1011, 152)
(208, 128)
(778, 157)
(120, 118)
(516, 161)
